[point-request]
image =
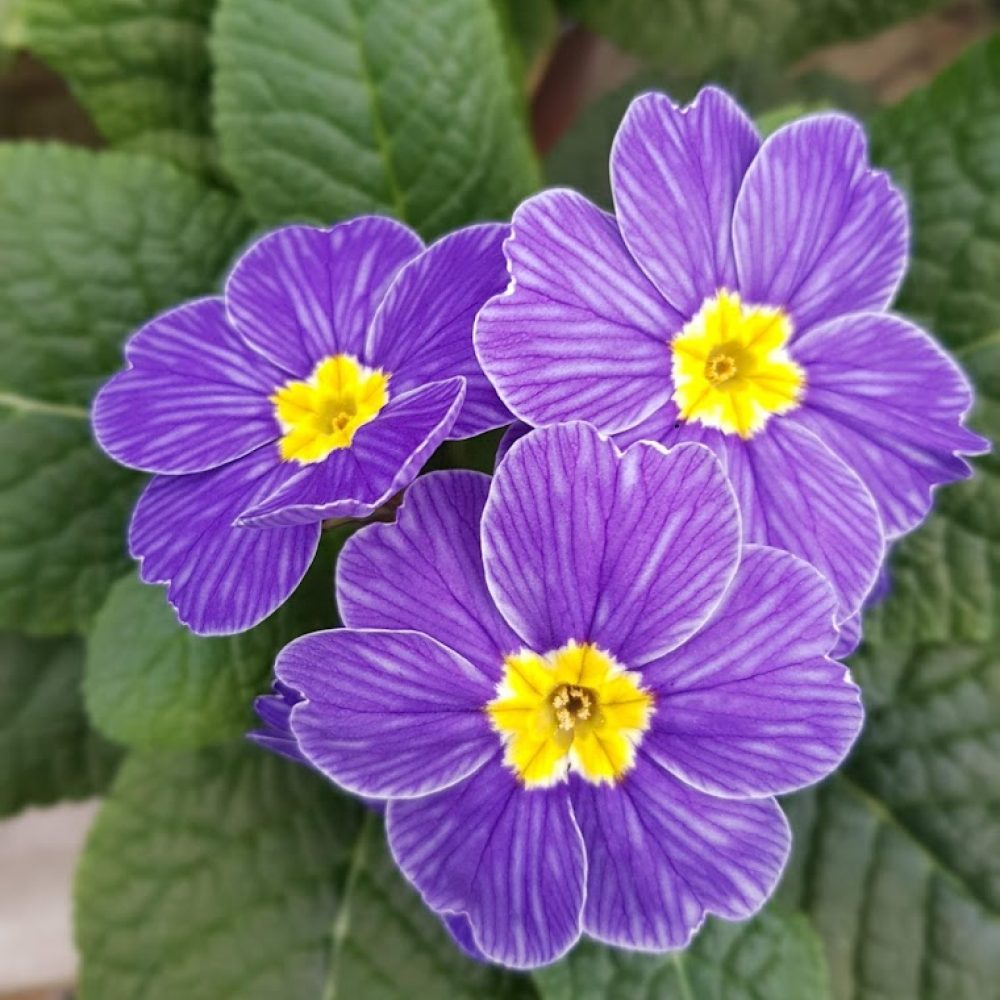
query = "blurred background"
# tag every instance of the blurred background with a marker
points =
(572, 73)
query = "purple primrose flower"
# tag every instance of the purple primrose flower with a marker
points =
(579, 692)
(335, 364)
(737, 298)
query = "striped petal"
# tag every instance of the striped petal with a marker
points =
(675, 175)
(751, 706)
(816, 230)
(387, 714)
(384, 457)
(630, 552)
(660, 855)
(425, 572)
(222, 579)
(510, 860)
(301, 293)
(580, 334)
(422, 332)
(885, 398)
(193, 397)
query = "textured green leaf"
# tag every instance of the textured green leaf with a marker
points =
(772, 957)
(63, 509)
(212, 876)
(388, 946)
(693, 35)
(150, 683)
(140, 67)
(48, 752)
(330, 108)
(531, 26)
(91, 245)
(898, 860)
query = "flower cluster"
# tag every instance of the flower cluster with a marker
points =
(576, 686)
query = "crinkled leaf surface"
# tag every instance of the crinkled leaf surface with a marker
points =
(141, 69)
(693, 35)
(63, 510)
(898, 860)
(48, 752)
(212, 876)
(91, 245)
(331, 108)
(388, 946)
(772, 957)
(150, 683)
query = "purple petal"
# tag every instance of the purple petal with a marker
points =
(751, 706)
(581, 333)
(884, 397)
(795, 494)
(460, 930)
(385, 456)
(193, 397)
(848, 637)
(274, 711)
(425, 572)
(423, 330)
(511, 860)
(511, 436)
(387, 714)
(660, 855)
(816, 230)
(675, 175)
(300, 293)
(628, 551)
(222, 579)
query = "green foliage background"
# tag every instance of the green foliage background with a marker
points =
(215, 871)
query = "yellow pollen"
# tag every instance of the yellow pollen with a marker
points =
(731, 366)
(573, 709)
(320, 414)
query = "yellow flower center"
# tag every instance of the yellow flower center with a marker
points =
(323, 412)
(572, 709)
(731, 367)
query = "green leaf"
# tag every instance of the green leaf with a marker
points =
(330, 108)
(898, 859)
(91, 246)
(142, 70)
(387, 945)
(48, 752)
(531, 26)
(212, 876)
(63, 509)
(150, 683)
(693, 36)
(772, 957)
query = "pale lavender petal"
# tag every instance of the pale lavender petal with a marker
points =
(422, 332)
(425, 572)
(751, 705)
(884, 397)
(795, 494)
(301, 293)
(660, 855)
(511, 860)
(628, 551)
(384, 457)
(816, 230)
(388, 714)
(580, 333)
(274, 711)
(193, 397)
(848, 637)
(222, 578)
(675, 175)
